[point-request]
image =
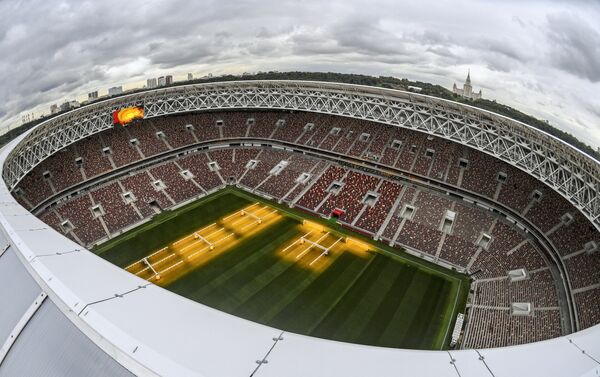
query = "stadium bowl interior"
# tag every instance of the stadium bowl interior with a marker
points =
(515, 210)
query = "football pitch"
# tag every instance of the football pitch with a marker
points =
(271, 264)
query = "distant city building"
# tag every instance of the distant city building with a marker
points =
(93, 95)
(115, 90)
(467, 90)
(151, 83)
(26, 118)
(414, 88)
(190, 77)
(161, 81)
(69, 105)
(168, 80)
(54, 109)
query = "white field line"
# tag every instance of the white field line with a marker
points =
(315, 244)
(295, 242)
(157, 262)
(325, 251)
(310, 246)
(190, 235)
(215, 232)
(196, 252)
(238, 212)
(164, 259)
(145, 269)
(254, 214)
(190, 245)
(259, 219)
(198, 236)
(150, 267)
(201, 240)
(149, 256)
(156, 252)
(170, 267)
(207, 247)
(453, 313)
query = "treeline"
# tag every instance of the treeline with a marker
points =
(382, 82)
(11, 134)
(426, 88)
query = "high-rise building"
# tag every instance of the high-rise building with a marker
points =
(115, 90)
(26, 118)
(151, 83)
(69, 105)
(467, 90)
(93, 95)
(169, 80)
(161, 81)
(190, 77)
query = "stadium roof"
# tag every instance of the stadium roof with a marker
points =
(71, 314)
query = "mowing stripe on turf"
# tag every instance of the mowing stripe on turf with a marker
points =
(418, 326)
(188, 236)
(330, 297)
(366, 304)
(348, 305)
(238, 212)
(235, 264)
(392, 298)
(400, 322)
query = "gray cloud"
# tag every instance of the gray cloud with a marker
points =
(574, 46)
(547, 55)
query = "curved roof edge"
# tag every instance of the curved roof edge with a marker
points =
(570, 172)
(372, 89)
(151, 331)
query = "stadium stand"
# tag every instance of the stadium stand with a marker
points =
(179, 188)
(374, 216)
(197, 164)
(117, 215)
(103, 211)
(94, 162)
(279, 185)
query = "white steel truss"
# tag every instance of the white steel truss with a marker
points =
(570, 172)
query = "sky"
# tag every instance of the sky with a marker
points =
(539, 56)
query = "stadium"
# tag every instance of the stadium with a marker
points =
(296, 228)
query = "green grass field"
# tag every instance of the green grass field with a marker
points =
(387, 298)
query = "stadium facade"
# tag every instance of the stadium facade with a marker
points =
(66, 312)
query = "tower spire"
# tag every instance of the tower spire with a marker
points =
(469, 77)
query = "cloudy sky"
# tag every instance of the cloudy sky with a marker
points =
(540, 56)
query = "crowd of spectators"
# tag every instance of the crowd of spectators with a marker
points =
(332, 186)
